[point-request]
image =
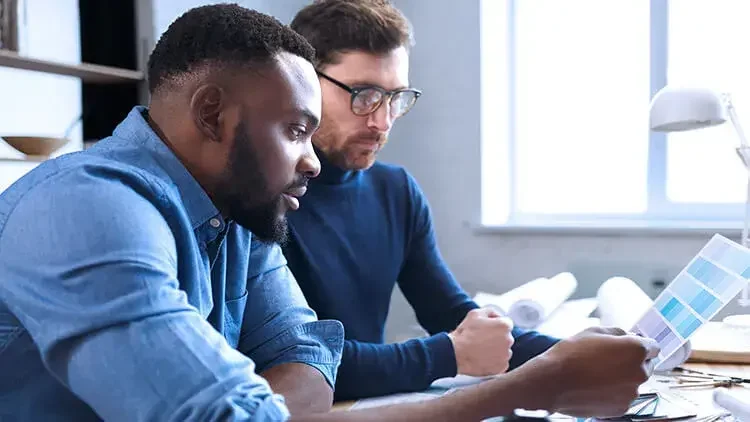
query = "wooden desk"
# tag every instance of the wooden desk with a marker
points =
(715, 368)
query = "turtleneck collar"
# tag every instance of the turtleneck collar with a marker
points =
(331, 174)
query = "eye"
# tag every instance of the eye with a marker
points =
(297, 131)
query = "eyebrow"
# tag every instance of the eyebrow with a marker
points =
(359, 83)
(312, 119)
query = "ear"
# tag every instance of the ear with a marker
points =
(206, 107)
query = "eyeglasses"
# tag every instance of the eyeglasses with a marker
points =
(367, 99)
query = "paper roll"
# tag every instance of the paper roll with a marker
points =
(536, 300)
(622, 303)
(739, 409)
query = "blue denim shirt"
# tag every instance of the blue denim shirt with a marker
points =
(125, 296)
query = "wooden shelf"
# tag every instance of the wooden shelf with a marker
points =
(90, 73)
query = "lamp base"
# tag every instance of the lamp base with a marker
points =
(738, 321)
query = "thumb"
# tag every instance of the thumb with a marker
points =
(491, 311)
(507, 321)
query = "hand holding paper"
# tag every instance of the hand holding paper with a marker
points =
(622, 303)
(598, 367)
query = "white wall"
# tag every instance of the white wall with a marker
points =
(34, 103)
(166, 11)
(439, 142)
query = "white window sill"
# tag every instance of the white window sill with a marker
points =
(731, 230)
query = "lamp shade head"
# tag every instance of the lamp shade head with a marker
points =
(680, 109)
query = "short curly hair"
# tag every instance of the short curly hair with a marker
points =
(337, 26)
(220, 35)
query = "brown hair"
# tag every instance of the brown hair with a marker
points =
(336, 26)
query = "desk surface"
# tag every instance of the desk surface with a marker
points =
(717, 368)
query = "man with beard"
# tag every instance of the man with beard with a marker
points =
(140, 279)
(364, 226)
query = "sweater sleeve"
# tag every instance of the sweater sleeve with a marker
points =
(369, 369)
(439, 303)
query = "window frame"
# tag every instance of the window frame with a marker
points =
(499, 187)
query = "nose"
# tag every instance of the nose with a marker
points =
(380, 119)
(309, 165)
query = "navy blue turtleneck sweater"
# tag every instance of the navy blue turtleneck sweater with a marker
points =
(356, 235)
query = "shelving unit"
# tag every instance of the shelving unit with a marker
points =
(90, 73)
(106, 37)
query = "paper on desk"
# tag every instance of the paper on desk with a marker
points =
(394, 399)
(532, 303)
(438, 388)
(735, 402)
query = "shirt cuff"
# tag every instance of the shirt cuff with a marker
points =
(318, 344)
(442, 357)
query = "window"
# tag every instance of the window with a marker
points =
(577, 78)
(716, 30)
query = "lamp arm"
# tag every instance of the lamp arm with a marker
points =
(744, 152)
(735, 120)
(744, 299)
(746, 227)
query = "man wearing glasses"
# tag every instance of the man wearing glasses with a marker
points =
(364, 226)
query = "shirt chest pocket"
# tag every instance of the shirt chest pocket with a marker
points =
(228, 277)
(234, 310)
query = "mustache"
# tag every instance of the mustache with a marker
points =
(299, 182)
(369, 136)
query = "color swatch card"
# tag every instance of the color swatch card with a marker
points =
(711, 280)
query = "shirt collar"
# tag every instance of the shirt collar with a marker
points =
(135, 128)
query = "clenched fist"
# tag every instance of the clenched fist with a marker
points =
(482, 343)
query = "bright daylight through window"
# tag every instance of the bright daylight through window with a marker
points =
(580, 75)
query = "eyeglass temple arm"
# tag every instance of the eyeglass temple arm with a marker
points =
(334, 81)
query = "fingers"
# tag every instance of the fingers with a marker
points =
(488, 312)
(652, 347)
(506, 321)
(648, 367)
(611, 331)
(487, 316)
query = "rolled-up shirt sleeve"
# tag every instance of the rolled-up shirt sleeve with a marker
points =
(278, 325)
(88, 265)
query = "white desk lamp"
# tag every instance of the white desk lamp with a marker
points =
(682, 109)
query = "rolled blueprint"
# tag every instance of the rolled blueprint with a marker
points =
(537, 299)
(739, 408)
(622, 303)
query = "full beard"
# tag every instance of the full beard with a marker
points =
(266, 221)
(246, 196)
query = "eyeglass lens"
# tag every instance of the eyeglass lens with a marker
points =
(368, 100)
